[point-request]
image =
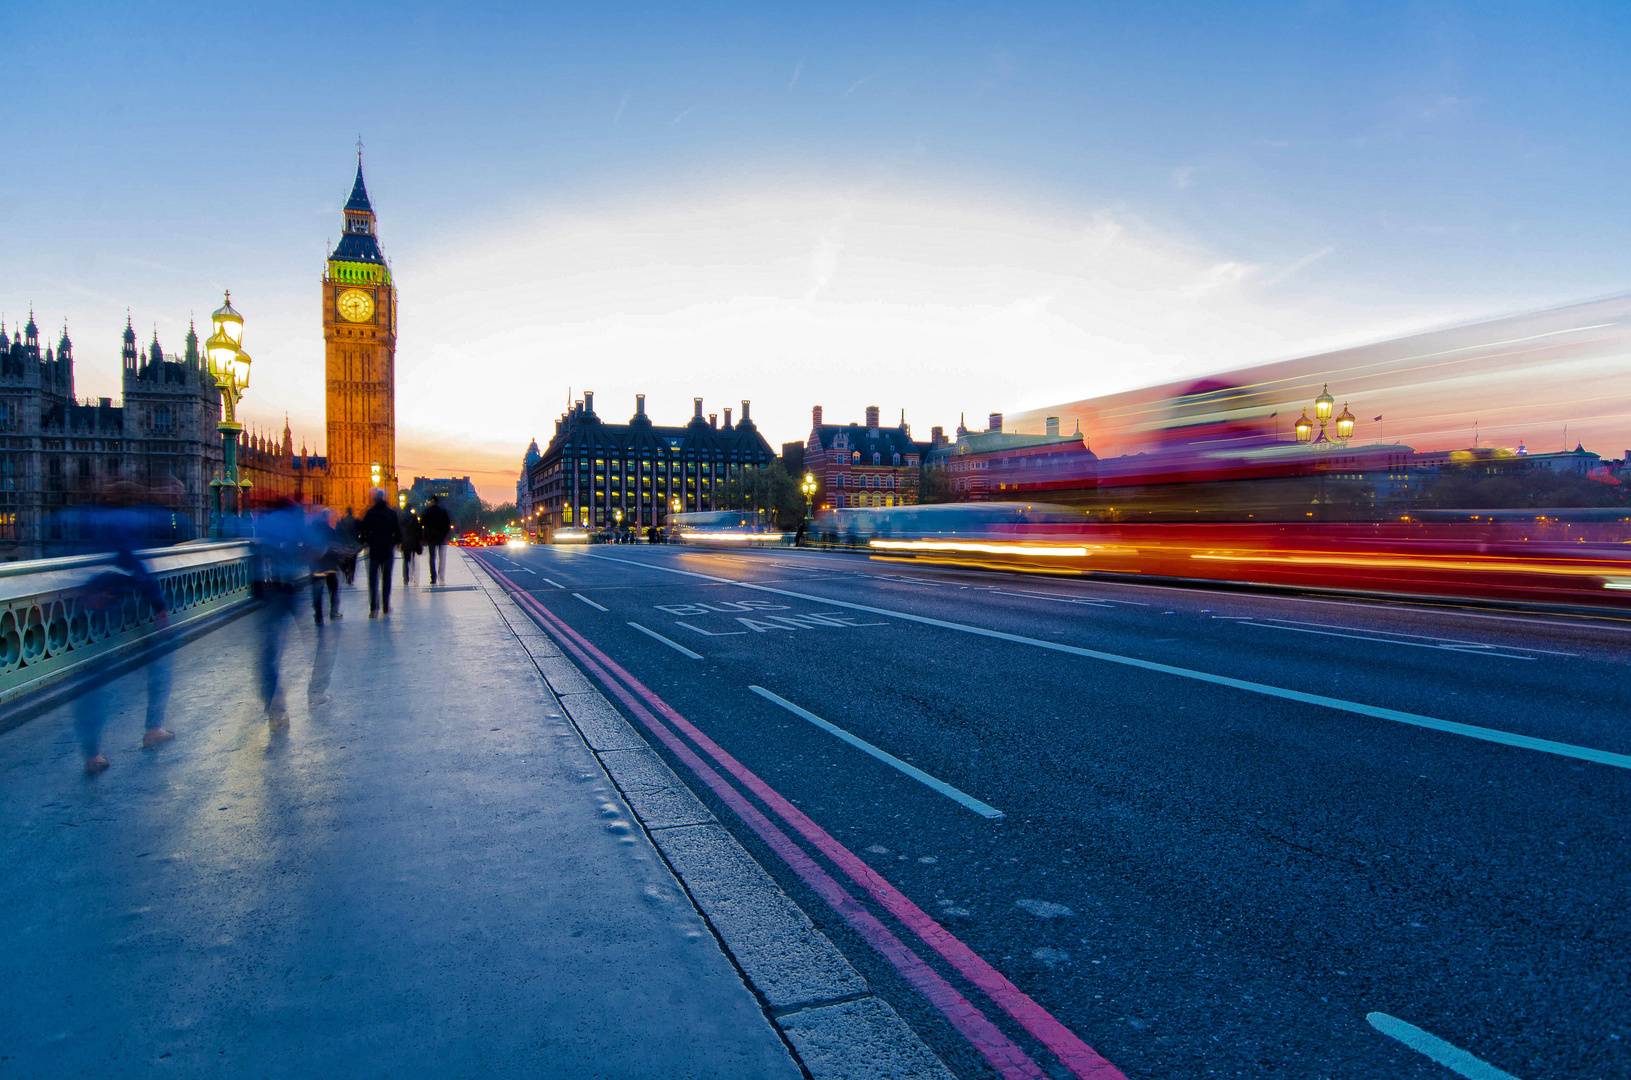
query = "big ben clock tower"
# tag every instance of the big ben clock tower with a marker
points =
(359, 335)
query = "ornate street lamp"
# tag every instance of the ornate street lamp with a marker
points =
(229, 367)
(373, 472)
(809, 489)
(1345, 424)
(1305, 428)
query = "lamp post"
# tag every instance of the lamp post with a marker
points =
(809, 489)
(373, 472)
(229, 367)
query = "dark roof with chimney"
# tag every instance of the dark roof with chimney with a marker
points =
(886, 444)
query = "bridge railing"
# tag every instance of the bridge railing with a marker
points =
(48, 632)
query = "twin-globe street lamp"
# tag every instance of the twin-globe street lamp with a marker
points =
(229, 367)
(809, 489)
(1322, 409)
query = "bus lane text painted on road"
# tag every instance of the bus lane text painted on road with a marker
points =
(764, 622)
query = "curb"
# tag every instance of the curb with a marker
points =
(833, 1025)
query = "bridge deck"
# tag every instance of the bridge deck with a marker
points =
(413, 878)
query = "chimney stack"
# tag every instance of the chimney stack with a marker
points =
(745, 404)
(698, 414)
(589, 402)
(995, 423)
(727, 420)
(815, 416)
(1052, 423)
(713, 420)
(639, 404)
(872, 420)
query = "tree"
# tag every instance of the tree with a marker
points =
(932, 484)
(768, 488)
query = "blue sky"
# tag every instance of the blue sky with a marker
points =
(1324, 172)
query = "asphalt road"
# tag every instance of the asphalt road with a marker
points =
(1226, 839)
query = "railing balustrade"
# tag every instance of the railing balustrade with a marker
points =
(47, 632)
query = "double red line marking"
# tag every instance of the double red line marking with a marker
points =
(1008, 1059)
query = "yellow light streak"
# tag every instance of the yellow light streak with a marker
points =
(732, 536)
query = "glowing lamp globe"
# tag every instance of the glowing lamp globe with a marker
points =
(240, 370)
(1324, 403)
(1345, 423)
(1305, 428)
(228, 322)
(221, 353)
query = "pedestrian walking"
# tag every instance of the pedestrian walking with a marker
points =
(285, 558)
(327, 550)
(350, 529)
(122, 531)
(413, 541)
(380, 535)
(437, 527)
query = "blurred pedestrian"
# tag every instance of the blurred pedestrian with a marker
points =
(283, 540)
(380, 535)
(437, 526)
(350, 530)
(122, 530)
(327, 551)
(413, 541)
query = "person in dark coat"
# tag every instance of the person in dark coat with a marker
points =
(437, 526)
(380, 535)
(350, 530)
(413, 541)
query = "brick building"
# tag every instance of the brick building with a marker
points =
(862, 465)
(998, 465)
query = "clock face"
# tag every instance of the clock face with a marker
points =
(355, 305)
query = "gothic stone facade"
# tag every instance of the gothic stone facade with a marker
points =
(56, 451)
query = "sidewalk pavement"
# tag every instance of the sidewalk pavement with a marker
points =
(429, 875)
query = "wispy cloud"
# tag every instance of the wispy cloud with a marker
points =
(621, 106)
(1217, 277)
(682, 116)
(1301, 264)
(798, 69)
(856, 85)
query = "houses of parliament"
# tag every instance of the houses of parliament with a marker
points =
(57, 451)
